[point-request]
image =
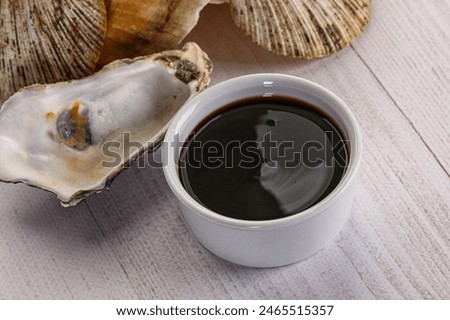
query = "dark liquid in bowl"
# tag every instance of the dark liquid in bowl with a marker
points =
(263, 159)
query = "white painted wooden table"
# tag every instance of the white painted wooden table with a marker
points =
(130, 243)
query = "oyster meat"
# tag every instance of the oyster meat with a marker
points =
(54, 136)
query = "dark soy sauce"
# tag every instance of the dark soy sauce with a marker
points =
(263, 159)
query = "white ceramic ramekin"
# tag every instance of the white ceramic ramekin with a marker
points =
(274, 242)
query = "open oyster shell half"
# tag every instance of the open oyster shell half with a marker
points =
(73, 138)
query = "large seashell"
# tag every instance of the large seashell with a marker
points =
(45, 41)
(298, 28)
(302, 28)
(137, 27)
(54, 136)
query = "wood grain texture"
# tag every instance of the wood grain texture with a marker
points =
(131, 242)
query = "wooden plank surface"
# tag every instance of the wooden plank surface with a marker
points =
(131, 243)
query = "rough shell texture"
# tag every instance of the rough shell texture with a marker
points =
(302, 28)
(73, 138)
(45, 41)
(137, 27)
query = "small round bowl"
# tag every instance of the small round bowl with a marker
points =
(267, 243)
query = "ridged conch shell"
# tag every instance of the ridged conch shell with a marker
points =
(54, 136)
(137, 27)
(302, 28)
(45, 41)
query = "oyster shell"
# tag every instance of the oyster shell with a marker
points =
(45, 41)
(137, 27)
(54, 136)
(302, 28)
(299, 28)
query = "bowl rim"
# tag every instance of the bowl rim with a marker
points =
(171, 172)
